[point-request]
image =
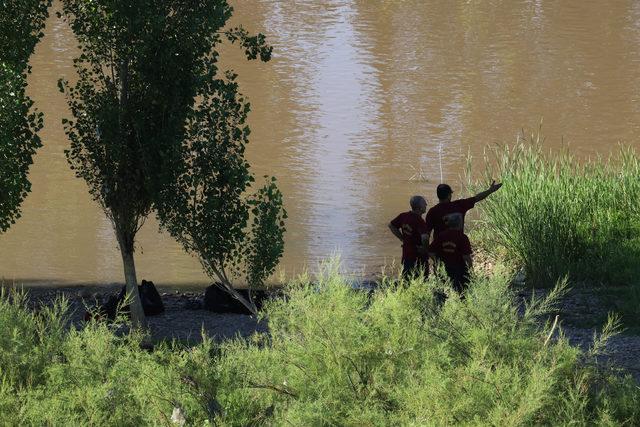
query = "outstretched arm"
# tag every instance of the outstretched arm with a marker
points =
(396, 231)
(492, 189)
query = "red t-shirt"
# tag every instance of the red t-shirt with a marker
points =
(413, 227)
(450, 246)
(435, 216)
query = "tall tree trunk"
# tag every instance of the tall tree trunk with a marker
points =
(135, 305)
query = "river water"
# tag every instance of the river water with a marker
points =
(362, 106)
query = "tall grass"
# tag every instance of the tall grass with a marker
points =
(557, 216)
(334, 356)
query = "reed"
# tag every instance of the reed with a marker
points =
(556, 216)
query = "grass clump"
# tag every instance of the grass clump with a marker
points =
(556, 216)
(333, 356)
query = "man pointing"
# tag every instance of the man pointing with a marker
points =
(435, 218)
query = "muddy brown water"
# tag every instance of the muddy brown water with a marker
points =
(360, 98)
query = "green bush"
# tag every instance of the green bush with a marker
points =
(333, 356)
(557, 216)
(27, 338)
(53, 375)
(336, 357)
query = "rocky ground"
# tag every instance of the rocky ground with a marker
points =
(622, 350)
(185, 320)
(581, 313)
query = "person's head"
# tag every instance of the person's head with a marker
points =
(418, 204)
(453, 221)
(444, 192)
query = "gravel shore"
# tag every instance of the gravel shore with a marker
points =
(184, 318)
(577, 311)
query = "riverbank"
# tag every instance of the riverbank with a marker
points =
(581, 313)
(184, 318)
(328, 355)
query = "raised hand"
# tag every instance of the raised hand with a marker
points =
(494, 187)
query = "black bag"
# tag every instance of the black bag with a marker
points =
(218, 300)
(149, 297)
(108, 308)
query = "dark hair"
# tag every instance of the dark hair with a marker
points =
(443, 191)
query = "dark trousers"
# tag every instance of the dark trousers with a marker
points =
(459, 275)
(411, 267)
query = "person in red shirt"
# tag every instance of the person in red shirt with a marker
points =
(411, 229)
(435, 216)
(453, 249)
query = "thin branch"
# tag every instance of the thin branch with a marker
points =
(555, 323)
(488, 383)
(336, 357)
(273, 388)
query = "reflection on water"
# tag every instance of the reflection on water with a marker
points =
(358, 97)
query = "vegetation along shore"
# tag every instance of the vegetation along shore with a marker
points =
(545, 334)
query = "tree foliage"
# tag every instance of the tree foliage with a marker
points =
(139, 70)
(21, 25)
(207, 209)
(136, 122)
(266, 240)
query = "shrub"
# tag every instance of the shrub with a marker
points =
(27, 338)
(53, 375)
(333, 356)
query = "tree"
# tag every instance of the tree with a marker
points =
(142, 64)
(206, 208)
(21, 25)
